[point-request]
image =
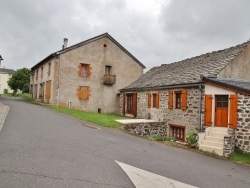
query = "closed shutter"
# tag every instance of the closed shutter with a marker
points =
(149, 100)
(170, 100)
(208, 110)
(89, 70)
(157, 100)
(78, 93)
(184, 99)
(123, 103)
(233, 111)
(135, 104)
(79, 69)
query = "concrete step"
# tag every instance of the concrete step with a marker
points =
(212, 149)
(212, 143)
(216, 134)
(219, 130)
(215, 139)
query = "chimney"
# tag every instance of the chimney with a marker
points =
(65, 43)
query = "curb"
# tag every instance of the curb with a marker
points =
(2, 120)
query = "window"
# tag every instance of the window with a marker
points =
(129, 103)
(84, 70)
(83, 92)
(177, 131)
(180, 98)
(222, 101)
(42, 73)
(49, 68)
(108, 69)
(177, 99)
(37, 74)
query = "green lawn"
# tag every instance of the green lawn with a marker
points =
(240, 156)
(105, 120)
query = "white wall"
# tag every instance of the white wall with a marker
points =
(4, 77)
(213, 90)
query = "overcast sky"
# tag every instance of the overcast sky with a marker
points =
(154, 31)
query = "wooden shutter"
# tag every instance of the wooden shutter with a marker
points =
(233, 111)
(170, 99)
(79, 69)
(123, 103)
(78, 93)
(184, 99)
(135, 104)
(89, 70)
(149, 100)
(208, 110)
(157, 100)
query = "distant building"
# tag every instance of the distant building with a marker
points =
(86, 76)
(5, 75)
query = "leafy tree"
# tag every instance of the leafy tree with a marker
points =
(19, 80)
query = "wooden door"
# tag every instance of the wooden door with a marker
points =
(221, 110)
(130, 103)
(48, 91)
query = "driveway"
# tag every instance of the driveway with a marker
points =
(43, 148)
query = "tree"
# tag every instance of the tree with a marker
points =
(19, 80)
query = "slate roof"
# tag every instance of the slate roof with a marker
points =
(86, 42)
(239, 85)
(187, 71)
(7, 71)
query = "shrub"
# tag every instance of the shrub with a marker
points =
(5, 91)
(159, 138)
(192, 138)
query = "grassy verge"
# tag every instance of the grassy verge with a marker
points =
(105, 120)
(240, 156)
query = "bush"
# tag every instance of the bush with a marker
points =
(159, 138)
(192, 138)
(5, 91)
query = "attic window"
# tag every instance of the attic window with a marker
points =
(105, 45)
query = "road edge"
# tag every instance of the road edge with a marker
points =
(5, 113)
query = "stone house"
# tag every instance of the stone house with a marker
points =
(197, 94)
(86, 76)
(5, 75)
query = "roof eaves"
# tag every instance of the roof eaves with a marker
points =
(226, 85)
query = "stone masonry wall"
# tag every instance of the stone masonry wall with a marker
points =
(243, 130)
(229, 142)
(147, 128)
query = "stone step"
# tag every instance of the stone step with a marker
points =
(215, 139)
(212, 143)
(216, 134)
(219, 130)
(212, 149)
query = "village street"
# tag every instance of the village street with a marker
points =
(43, 148)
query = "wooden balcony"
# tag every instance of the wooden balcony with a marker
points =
(109, 79)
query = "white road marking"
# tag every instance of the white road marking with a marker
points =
(144, 179)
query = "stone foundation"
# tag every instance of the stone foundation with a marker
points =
(147, 128)
(229, 142)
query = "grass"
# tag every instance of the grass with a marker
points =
(240, 156)
(105, 120)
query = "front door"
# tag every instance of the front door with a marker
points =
(130, 103)
(221, 110)
(48, 91)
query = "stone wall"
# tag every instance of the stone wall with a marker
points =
(229, 142)
(243, 129)
(187, 118)
(147, 128)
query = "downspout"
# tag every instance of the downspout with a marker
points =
(200, 106)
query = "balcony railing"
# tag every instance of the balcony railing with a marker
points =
(109, 79)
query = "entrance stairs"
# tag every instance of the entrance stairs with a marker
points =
(213, 140)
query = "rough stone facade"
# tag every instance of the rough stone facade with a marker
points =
(243, 130)
(187, 118)
(147, 128)
(229, 142)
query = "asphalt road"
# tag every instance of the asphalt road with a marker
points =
(43, 148)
